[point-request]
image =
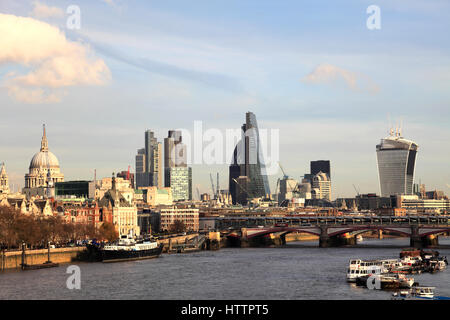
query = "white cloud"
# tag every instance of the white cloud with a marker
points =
(330, 74)
(53, 62)
(41, 10)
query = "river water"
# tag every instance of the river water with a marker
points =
(299, 270)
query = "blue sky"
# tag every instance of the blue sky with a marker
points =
(174, 62)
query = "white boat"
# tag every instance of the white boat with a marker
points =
(359, 268)
(424, 292)
(414, 293)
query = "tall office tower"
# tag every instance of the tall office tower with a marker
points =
(174, 150)
(177, 175)
(153, 157)
(321, 186)
(140, 174)
(320, 166)
(396, 159)
(248, 162)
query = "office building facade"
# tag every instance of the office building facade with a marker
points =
(320, 166)
(149, 163)
(177, 175)
(179, 179)
(396, 158)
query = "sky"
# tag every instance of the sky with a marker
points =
(311, 69)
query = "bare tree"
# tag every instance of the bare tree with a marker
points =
(177, 226)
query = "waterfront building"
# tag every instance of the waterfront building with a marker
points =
(177, 175)
(44, 171)
(372, 201)
(397, 212)
(413, 203)
(149, 163)
(248, 162)
(123, 212)
(321, 186)
(189, 216)
(4, 182)
(84, 212)
(396, 159)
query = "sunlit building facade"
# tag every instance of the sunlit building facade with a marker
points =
(396, 159)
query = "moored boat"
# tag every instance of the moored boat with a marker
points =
(126, 249)
(359, 268)
(414, 293)
(386, 281)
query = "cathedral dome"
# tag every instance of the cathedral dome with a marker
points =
(44, 168)
(44, 159)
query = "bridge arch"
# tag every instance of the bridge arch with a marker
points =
(403, 231)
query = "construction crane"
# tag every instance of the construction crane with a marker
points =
(285, 176)
(212, 186)
(357, 190)
(128, 173)
(218, 192)
(241, 186)
(276, 188)
(198, 193)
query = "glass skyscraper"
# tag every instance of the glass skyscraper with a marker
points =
(248, 162)
(149, 163)
(396, 159)
(321, 166)
(177, 175)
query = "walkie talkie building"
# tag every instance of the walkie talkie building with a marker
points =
(396, 159)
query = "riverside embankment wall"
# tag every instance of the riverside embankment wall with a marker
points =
(13, 259)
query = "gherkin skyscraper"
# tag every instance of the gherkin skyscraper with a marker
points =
(247, 167)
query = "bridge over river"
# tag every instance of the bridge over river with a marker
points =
(423, 231)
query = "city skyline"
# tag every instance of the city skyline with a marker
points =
(215, 69)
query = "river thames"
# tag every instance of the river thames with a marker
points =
(299, 270)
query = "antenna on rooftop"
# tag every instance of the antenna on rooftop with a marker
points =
(401, 127)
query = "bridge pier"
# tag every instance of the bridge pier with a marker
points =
(346, 239)
(430, 241)
(213, 241)
(415, 240)
(283, 239)
(324, 239)
(418, 241)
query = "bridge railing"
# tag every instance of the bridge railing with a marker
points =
(339, 220)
